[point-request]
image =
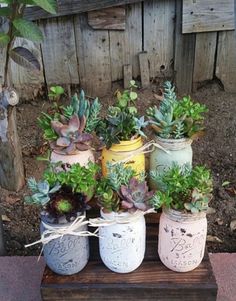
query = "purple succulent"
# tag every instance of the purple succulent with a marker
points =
(135, 195)
(71, 137)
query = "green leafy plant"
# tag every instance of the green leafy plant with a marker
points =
(122, 122)
(20, 27)
(68, 129)
(64, 190)
(183, 188)
(121, 191)
(55, 93)
(176, 119)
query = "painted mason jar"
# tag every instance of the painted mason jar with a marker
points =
(67, 254)
(122, 151)
(182, 239)
(122, 245)
(177, 151)
(82, 157)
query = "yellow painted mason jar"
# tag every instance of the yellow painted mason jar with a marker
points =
(127, 152)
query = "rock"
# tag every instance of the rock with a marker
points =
(5, 218)
(233, 225)
(219, 221)
(211, 238)
(211, 210)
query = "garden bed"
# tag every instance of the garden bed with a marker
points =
(216, 150)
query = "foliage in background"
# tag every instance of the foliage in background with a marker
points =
(176, 119)
(121, 191)
(183, 188)
(122, 122)
(18, 26)
(69, 128)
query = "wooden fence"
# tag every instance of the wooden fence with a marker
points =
(93, 48)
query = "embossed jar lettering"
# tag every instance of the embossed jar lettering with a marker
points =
(182, 239)
(122, 246)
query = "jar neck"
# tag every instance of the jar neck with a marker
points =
(126, 146)
(180, 216)
(174, 144)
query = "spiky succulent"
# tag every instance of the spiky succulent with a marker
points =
(176, 119)
(120, 190)
(135, 195)
(71, 138)
(41, 192)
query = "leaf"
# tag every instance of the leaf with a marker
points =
(28, 30)
(25, 58)
(225, 183)
(4, 39)
(132, 83)
(58, 90)
(5, 218)
(133, 95)
(48, 5)
(5, 11)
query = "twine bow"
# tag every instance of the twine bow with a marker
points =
(52, 233)
(102, 222)
(146, 148)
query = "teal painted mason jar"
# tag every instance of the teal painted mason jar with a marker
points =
(170, 151)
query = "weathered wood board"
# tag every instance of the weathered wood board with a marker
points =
(127, 75)
(108, 18)
(71, 7)
(11, 167)
(151, 281)
(158, 22)
(93, 56)
(59, 51)
(144, 69)
(184, 55)
(204, 56)
(226, 60)
(125, 46)
(28, 83)
(210, 15)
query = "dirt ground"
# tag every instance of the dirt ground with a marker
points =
(217, 150)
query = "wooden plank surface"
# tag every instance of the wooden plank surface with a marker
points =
(204, 56)
(158, 22)
(125, 46)
(108, 18)
(127, 75)
(210, 15)
(59, 51)
(184, 55)
(144, 69)
(70, 7)
(93, 56)
(11, 165)
(28, 83)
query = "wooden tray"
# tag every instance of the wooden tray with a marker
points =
(151, 281)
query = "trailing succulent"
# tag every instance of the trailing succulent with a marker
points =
(68, 129)
(63, 193)
(121, 191)
(122, 122)
(183, 188)
(176, 119)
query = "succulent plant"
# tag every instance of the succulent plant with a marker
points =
(70, 136)
(176, 119)
(135, 195)
(41, 192)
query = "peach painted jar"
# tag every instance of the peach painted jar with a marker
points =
(182, 239)
(82, 157)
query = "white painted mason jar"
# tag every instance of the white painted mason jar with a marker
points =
(122, 245)
(82, 157)
(66, 255)
(178, 151)
(182, 239)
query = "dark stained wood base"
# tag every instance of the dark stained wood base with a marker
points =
(151, 281)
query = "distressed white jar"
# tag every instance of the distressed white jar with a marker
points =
(83, 158)
(122, 246)
(182, 239)
(178, 151)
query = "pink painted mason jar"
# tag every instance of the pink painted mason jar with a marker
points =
(182, 239)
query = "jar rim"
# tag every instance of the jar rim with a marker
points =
(181, 216)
